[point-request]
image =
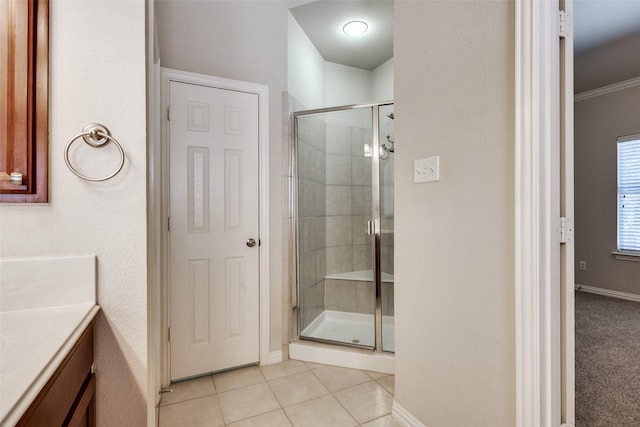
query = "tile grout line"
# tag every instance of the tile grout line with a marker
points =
(216, 393)
(338, 400)
(280, 403)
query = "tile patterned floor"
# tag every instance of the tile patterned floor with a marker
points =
(291, 393)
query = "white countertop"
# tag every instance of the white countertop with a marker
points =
(45, 306)
(33, 344)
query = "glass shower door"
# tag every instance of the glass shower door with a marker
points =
(386, 166)
(336, 287)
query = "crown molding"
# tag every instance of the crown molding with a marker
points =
(626, 84)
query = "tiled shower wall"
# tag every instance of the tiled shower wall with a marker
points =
(348, 208)
(387, 236)
(311, 216)
(386, 215)
(334, 204)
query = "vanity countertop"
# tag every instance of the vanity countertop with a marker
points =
(33, 344)
(45, 306)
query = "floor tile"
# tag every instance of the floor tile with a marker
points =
(376, 375)
(247, 402)
(189, 389)
(200, 412)
(270, 419)
(237, 378)
(282, 369)
(312, 365)
(321, 412)
(297, 388)
(389, 383)
(386, 421)
(336, 378)
(366, 402)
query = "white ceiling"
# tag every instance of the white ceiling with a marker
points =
(596, 22)
(323, 20)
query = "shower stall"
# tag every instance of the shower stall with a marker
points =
(343, 210)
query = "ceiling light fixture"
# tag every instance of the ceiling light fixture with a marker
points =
(355, 28)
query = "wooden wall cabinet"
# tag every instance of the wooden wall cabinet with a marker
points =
(24, 80)
(68, 398)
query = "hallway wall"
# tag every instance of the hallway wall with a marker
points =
(454, 261)
(599, 122)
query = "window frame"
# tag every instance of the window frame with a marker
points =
(622, 252)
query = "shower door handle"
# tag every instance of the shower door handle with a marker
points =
(371, 227)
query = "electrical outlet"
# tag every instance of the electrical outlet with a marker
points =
(582, 265)
(426, 170)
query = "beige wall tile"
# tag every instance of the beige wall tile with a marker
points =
(339, 259)
(338, 169)
(338, 139)
(340, 295)
(338, 200)
(365, 297)
(338, 231)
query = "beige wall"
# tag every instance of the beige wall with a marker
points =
(454, 261)
(247, 41)
(598, 123)
(607, 64)
(97, 74)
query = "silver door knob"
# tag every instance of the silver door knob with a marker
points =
(251, 242)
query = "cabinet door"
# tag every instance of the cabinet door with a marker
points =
(84, 412)
(60, 395)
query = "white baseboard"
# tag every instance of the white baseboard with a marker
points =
(608, 293)
(404, 417)
(274, 357)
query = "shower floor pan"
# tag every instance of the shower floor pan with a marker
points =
(350, 328)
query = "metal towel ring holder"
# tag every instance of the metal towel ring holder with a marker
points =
(96, 135)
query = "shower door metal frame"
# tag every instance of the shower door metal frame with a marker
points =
(375, 213)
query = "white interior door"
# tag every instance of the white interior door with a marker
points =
(567, 257)
(214, 285)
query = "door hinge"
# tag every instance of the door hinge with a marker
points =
(168, 223)
(169, 334)
(566, 229)
(168, 114)
(563, 24)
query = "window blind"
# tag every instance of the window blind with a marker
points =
(629, 193)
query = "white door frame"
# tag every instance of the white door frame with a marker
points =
(539, 326)
(262, 91)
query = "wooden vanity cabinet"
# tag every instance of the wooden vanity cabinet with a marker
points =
(68, 398)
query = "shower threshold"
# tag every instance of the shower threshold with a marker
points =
(350, 328)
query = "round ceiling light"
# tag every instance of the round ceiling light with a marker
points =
(355, 28)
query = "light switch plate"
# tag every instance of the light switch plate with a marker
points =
(426, 170)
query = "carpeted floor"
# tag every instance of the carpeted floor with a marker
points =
(607, 361)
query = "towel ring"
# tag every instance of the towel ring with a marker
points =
(97, 136)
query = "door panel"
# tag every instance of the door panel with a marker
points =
(213, 140)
